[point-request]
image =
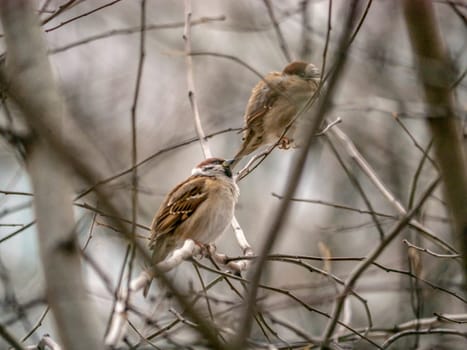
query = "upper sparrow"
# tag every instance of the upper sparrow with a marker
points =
(273, 105)
(200, 208)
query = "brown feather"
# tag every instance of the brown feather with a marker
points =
(177, 207)
(263, 96)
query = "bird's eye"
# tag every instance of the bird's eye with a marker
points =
(208, 167)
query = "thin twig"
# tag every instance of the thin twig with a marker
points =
(399, 335)
(37, 325)
(360, 269)
(282, 43)
(134, 146)
(328, 37)
(61, 9)
(370, 172)
(133, 30)
(9, 338)
(147, 159)
(336, 205)
(356, 184)
(306, 42)
(191, 84)
(11, 235)
(81, 16)
(430, 252)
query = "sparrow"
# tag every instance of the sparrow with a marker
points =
(273, 105)
(200, 208)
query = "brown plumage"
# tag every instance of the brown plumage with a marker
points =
(199, 208)
(273, 105)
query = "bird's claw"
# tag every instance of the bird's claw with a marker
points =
(285, 143)
(205, 249)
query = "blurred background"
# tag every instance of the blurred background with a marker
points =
(379, 100)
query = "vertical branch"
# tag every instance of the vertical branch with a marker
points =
(306, 42)
(437, 75)
(190, 81)
(353, 179)
(114, 333)
(282, 43)
(31, 78)
(134, 140)
(328, 36)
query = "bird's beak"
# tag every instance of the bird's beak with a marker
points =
(228, 163)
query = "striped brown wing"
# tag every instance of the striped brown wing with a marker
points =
(178, 206)
(262, 99)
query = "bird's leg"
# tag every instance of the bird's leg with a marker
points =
(204, 249)
(285, 142)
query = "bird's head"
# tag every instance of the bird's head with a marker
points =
(214, 167)
(302, 69)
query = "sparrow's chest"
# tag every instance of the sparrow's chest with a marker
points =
(219, 211)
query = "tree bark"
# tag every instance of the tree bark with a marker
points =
(30, 77)
(437, 75)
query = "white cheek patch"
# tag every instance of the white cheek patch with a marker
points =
(197, 171)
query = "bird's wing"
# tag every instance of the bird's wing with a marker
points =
(262, 99)
(263, 96)
(178, 206)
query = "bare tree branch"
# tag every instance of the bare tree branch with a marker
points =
(358, 271)
(31, 76)
(437, 75)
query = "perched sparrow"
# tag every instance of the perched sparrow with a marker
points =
(273, 105)
(199, 208)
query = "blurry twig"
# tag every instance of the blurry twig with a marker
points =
(358, 271)
(134, 146)
(133, 30)
(116, 328)
(191, 84)
(280, 36)
(37, 325)
(290, 295)
(328, 37)
(414, 140)
(10, 339)
(416, 176)
(105, 214)
(81, 16)
(428, 251)
(16, 193)
(356, 184)
(90, 231)
(396, 336)
(458, 12)
(305, 52)
(11, 235)
(370, 172)
(69, 4)
(336, 205)
(147, 159)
